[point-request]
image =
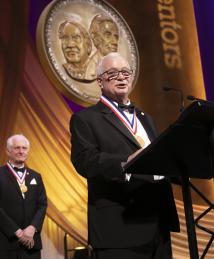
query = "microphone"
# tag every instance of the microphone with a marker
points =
(167, 88)
(193, 98)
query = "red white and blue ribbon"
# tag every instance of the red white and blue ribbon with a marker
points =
(19, 179)
(132, 126)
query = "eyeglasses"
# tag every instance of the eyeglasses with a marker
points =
(113, 74)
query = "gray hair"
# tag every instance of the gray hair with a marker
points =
(112, 55)
(17, 136)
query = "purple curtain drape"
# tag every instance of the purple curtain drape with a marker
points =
(205, 21)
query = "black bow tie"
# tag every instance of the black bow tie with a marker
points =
(130, 107)
(19, 169)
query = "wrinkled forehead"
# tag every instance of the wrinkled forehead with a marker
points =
(116, 62)
(109, 26)
(19, 142)
(72, 29)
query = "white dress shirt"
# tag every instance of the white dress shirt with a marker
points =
(142, 133)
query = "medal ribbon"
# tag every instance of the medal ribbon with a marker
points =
(132, 126)
(19, 179)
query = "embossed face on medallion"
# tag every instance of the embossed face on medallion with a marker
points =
(76, 47)
(105, 34)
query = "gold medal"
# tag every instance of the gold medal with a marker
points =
(140, 140)
(23, 188)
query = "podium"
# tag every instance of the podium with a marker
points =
(185, 149)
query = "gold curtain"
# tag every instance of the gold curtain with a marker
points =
(53, 241)
(13, 22)
(43, 117)
(29, 104)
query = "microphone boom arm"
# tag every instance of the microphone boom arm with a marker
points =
(166, 88)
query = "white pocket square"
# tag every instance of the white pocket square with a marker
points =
(33, 181)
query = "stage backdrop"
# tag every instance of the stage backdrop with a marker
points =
(205, 21)
(165, 32)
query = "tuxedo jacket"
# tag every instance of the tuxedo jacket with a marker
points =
(121, 214)
(17, 212)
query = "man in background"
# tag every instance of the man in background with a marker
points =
(129, 217)
(23, 204)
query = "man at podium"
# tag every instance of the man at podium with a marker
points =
(129, 217)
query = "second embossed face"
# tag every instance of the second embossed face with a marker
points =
(104, 34)
(108, 36)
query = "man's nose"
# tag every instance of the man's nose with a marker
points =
(71, 43)
(114, 40)
(120, 75)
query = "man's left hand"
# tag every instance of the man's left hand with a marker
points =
(27, 236)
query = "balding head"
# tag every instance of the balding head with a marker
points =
(17, 149)
(11, 140)
(101, 67)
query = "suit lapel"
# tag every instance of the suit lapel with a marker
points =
(13, 180)
(28, 179)
(117, 123)
(27, 183)
(144, 121)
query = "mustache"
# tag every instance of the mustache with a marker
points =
(112, 46)
(72, 49)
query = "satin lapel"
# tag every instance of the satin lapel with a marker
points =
(13, 180)
(27, 183)
(115, 121)
(146, 125)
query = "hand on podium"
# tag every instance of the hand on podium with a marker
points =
(132, 156)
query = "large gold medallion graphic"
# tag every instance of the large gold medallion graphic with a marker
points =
(72, 36)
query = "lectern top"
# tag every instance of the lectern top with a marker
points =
(187, 146)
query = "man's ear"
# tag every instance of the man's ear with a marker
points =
(96, 40)
(7, 151)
